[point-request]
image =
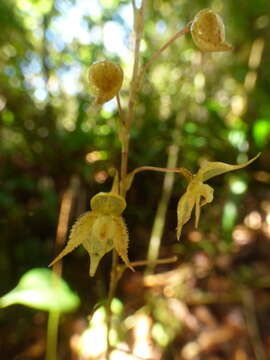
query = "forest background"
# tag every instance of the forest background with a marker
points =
(57, 150)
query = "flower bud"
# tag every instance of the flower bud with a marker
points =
(208, 32)
(105, 79)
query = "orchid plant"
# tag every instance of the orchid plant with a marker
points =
(103, 229)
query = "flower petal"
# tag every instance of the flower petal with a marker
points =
(184, 210)
(121, 240)
(79, 232)
(100, 240)
(206, 192)
(211, 169)
(197, 212)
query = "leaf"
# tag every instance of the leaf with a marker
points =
(43, 290)
(211, 169)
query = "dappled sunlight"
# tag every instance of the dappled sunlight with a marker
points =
(242, 235)
(253, 220)
(195, 236)
(101, 176)
(94, 156)
(142, 340)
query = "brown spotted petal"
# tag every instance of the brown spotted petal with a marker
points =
(100, 240)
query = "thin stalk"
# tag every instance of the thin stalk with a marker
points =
(52, 329)
(133, 6)
(62, 228)
(169, 260)
(159, 222)
(134, 85)
(124, 138)
(185, 172)
(138, 28)
(63, 219)
(120, 110)
(176, 36)
(124, 160)
(113, 284)
(158, 226)
(154, 262)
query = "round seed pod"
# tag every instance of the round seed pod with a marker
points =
(108, 204)
(105, 78)
(208, 32)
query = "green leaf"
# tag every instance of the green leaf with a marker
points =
(43, 290)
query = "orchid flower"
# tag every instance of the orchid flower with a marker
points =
(100, 230)
(199, 194)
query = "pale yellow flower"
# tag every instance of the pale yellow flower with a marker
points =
(199, 194)
(100, 230)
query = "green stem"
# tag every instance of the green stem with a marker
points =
(176, 36)
(158, 227)
(159, 222)
(113, 284)
(52, 330)
(185, 172)
(124, 138)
